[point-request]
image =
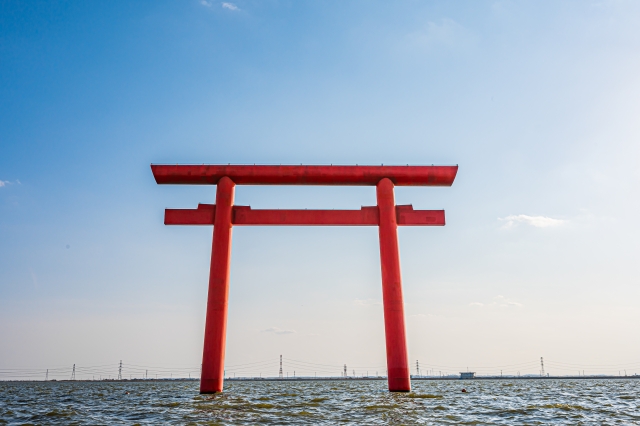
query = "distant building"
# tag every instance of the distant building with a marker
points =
(468, 375)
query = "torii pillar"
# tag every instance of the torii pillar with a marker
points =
(215, 328)
(386, 215)
(392, 300)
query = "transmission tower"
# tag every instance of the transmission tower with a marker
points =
(73, 372)
(417, 367)
(345, 371)
(541, 367)
(47, 376)
(280, 374)
(120, 371)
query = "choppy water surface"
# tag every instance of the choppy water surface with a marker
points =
(358, 402)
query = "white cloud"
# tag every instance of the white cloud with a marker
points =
(206, 3)
(503, 302)
(277, 330)
(498, 302)
(230, 6)
(537, 221)
(367, 302)
(3, 183)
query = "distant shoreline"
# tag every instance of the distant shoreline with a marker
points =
(339, 379)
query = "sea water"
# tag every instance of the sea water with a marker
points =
(490, 402)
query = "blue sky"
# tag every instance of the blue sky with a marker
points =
(536, 101)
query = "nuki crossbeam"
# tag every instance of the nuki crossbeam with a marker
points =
(205, 214)
(223, 215)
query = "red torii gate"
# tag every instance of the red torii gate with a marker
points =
(223, 215)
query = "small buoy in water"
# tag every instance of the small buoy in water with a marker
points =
(464, 390)
(127, 393)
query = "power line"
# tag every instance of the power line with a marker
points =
(306, 369)
(329, 365)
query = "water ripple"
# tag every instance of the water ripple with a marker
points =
(486, 402)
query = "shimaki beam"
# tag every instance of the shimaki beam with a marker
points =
(223, 215)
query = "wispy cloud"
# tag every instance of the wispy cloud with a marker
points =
(4, 183)
(498, 302)
(276, 330)
(224, 5)
(504, 302)
(422, 316)
(536, 221)
(229, 6)
(367, 302)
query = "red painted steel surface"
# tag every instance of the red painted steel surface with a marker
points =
(205, 214)
(243, 216)
(216, 322)
(248, 216)
(407, 216)
(396, 341)
(305, 175)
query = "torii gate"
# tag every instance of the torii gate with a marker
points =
(223, 215)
